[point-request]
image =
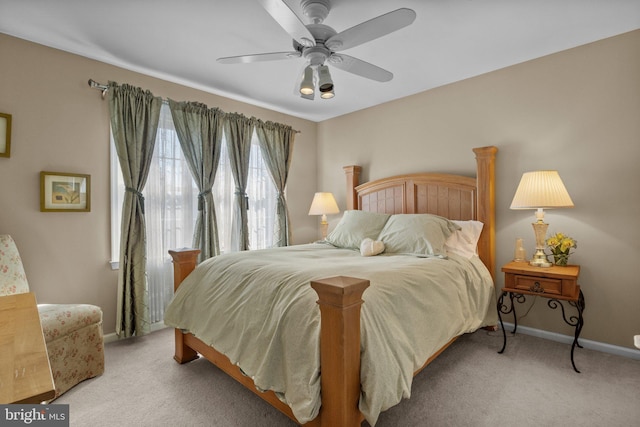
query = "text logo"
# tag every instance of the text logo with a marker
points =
(34, 415)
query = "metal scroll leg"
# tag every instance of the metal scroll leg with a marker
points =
(504, 334)
(576, 322)
(503, 309)
(579, 323)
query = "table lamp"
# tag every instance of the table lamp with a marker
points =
(323, 203)
(541, 190)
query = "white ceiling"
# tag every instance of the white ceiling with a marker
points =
(179, 41)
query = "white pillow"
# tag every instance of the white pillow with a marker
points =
(370, 247)
(464, 242)
(416, 234)
(354, 226)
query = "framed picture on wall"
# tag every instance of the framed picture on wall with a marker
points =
(65, 192)
(5, 135)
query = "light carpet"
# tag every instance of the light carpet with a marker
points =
(470, 384)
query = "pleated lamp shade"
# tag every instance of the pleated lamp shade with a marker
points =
(323, 203)
(541, 189)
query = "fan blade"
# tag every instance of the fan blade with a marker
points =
(360, 67)
(371, 29)
(244, 59)
(282, 13)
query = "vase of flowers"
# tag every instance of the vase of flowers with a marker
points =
(560, 246)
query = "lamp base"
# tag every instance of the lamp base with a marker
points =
(540, 259)
(540, 229)
(324, 226)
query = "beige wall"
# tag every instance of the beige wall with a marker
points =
(576, 111)
(62, 125)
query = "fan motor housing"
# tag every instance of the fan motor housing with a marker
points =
(318, 53)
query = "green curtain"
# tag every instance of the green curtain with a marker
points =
(276, 142)
(134, 123)
(199, 131)
(239, 130)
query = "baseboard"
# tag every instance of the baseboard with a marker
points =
(113, 337)
(566, 339)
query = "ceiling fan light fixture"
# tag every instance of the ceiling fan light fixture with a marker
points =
(306, 87)
(309, 97)
(328, 94)
(325, 84)
(318, 43)
(306, 90)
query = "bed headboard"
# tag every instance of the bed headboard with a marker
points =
(451, 196)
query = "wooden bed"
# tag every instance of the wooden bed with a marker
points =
(340, 298)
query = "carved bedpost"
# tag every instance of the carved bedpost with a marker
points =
(184, 261)
(340, 300)
(353, 180)
(485, 158)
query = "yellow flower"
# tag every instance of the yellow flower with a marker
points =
(561, 243)
(567, 244)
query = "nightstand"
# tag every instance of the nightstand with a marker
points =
(558, 284)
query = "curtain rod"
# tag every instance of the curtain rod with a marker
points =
(104, 88)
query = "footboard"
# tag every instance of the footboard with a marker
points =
(340, 299)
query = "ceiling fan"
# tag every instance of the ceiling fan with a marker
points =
(319, 43)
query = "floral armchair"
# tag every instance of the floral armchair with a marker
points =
(72, 332)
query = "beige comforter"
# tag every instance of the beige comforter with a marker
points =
(258, 308)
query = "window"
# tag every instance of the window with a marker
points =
(262, 195)
(171, 208)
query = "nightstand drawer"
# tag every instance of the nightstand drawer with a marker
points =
(538, 284)
(554, 280)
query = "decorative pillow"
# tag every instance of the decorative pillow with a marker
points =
(355, 226)
(464, 242)
(370, 247)
(417, 234)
